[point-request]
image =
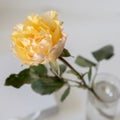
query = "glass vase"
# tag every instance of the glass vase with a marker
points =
(107, 87)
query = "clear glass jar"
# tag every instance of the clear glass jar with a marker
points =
(107, 87)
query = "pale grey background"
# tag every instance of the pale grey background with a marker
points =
(89, 24)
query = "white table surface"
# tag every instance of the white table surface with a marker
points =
(89, 24)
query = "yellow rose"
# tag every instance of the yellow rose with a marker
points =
(38, 39)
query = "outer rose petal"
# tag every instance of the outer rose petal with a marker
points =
(52, 14)
(57, 49)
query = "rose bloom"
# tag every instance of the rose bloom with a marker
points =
(38, 39)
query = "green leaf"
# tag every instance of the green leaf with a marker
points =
(13, 81)
(55, 67)
(105, 52)
(47, 85)
(84, 62)
(62, 69)
(26, 76)
(17, 80)
(65, 53)
(65, 94)
(39, 70)
(90, 73)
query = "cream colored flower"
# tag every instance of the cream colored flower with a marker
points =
(39, 39)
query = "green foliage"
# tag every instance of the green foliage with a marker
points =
(17, 80)
(62, 69)
(83, 62)
(65, 53)
(39, 70)
(47, 85)
(65, 94)
(90, 74)
(26, 76)
(55, 68)
(105, 52)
